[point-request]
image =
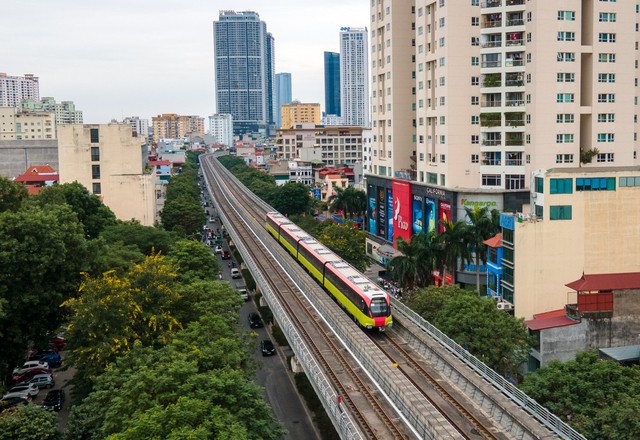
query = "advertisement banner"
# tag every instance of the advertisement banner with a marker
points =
(402, 206)
(445, 214)
(382, 212)
(430, 214)
(472, 201)
(389, 215)
(418, 215)
(372, 214)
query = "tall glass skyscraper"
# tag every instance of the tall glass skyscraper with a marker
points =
(283, 94)
(332, 83)
(354, 76)
(244, 71)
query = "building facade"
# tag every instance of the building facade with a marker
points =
(331, 146)
(17, 124)
(13, 89)
(354, 76)
(221, 128)
(110, 162)
(244, 71)
(173, 126)
(65, 111)
(300, 112)
(283, 95)
(332, 83)
(139, 126)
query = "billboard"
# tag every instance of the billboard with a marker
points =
(430, 214)
(382, 212)
(372, 215)
(389, 215)
(418, 215)
(402, 206)
(445, 214)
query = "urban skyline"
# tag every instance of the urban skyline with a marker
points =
(112, 76)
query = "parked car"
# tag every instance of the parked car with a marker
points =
(218, 249)
(243, 293)
(27, 375)
(53, 359)
(226, 255)
(267, 348)
(235, 273)
(41, 381)
(57, 342)
(30, 389)
(29, 365)
(13, 401)
(17, 394)
(255, 321)
(54, 400)
(212, 219)
(37, 355)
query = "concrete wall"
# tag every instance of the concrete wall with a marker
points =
(16, 156)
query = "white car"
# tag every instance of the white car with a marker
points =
(29, 365)
(235, 273)
(26, 389)
(218, 249)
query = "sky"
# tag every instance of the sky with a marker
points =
(119, 58)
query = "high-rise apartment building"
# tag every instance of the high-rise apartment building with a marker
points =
(173, 126)
(283, 94)
(65, 111)
(354, 76)
(17, 124)
(299, 112)
(244, 71)
(332, 83)
(14, 89)
(222, 129)
(139, 127)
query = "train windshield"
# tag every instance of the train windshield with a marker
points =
(379, 307)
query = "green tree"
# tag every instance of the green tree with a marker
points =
(348, 242)
(496, 338)
(452, 245)
(351, 201)
(11, 194)
(42, 253)
(599, 398)
(292, 198)
(183, 215)
(193, 260)
(479, 229)
(428, 302)
(28, 422)
(415, 266)
(92, 213)
(147, 239)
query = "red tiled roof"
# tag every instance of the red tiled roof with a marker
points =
(37, 178)
(159, 162)
(40, 169)
(495, 241)
(606, 281)
(553, 319)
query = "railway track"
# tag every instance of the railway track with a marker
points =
(372, 415)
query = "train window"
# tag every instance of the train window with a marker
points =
(379, 307)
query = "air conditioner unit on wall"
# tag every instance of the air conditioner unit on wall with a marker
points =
(503, 305)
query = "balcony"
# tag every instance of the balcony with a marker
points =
(515, 42)
(512, 62)
(490, 119)
(492, 43)
(491, 142)
(491, 103)
(491, 4)
(491, 64)
(515, 140)
(486, 24)
(514, 2)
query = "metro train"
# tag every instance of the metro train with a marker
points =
(364, 300)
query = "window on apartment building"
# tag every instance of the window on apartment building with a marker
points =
(441, 42)
(595, 184)
(441, 81)
(607, 97)
(441, 22)
(606, 77)
(527, 98)
(528, 37)
(442, 100)
(607, 17)
(441, 61)
(442, 139)
(475, 139)
(442, 120)
(538, 184)
(565, 138)
(443, 180)
(607, 117)
(475, 80)
(566, 36)
(607, 37)
(475, 21)
(475, 100)
(475, 41)
(564, 97)
(95, 171)
(561, 186)
(475, 120)
(566, 15)
(475, 2)
(606, 57)
(94, 135)
(560, 212)
(527, 118)
(629, 181)
(565, 118)
(96, 188)
(475, 158)
(566, 57)
(605, 157)
(529, 16)
(432, 178)
(95, 154)
(606, 137)
(491, 180)
(564, 158)
(527, 138)
(475, 61)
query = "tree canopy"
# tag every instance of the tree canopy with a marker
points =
(346, 241)
(11, 194)
(599, 398)
(28, 422)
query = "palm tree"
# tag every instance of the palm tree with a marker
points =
(480, 228)
(349, 200)
(414, 267)
(453, 246)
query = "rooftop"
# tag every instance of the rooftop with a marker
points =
(606, 281)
